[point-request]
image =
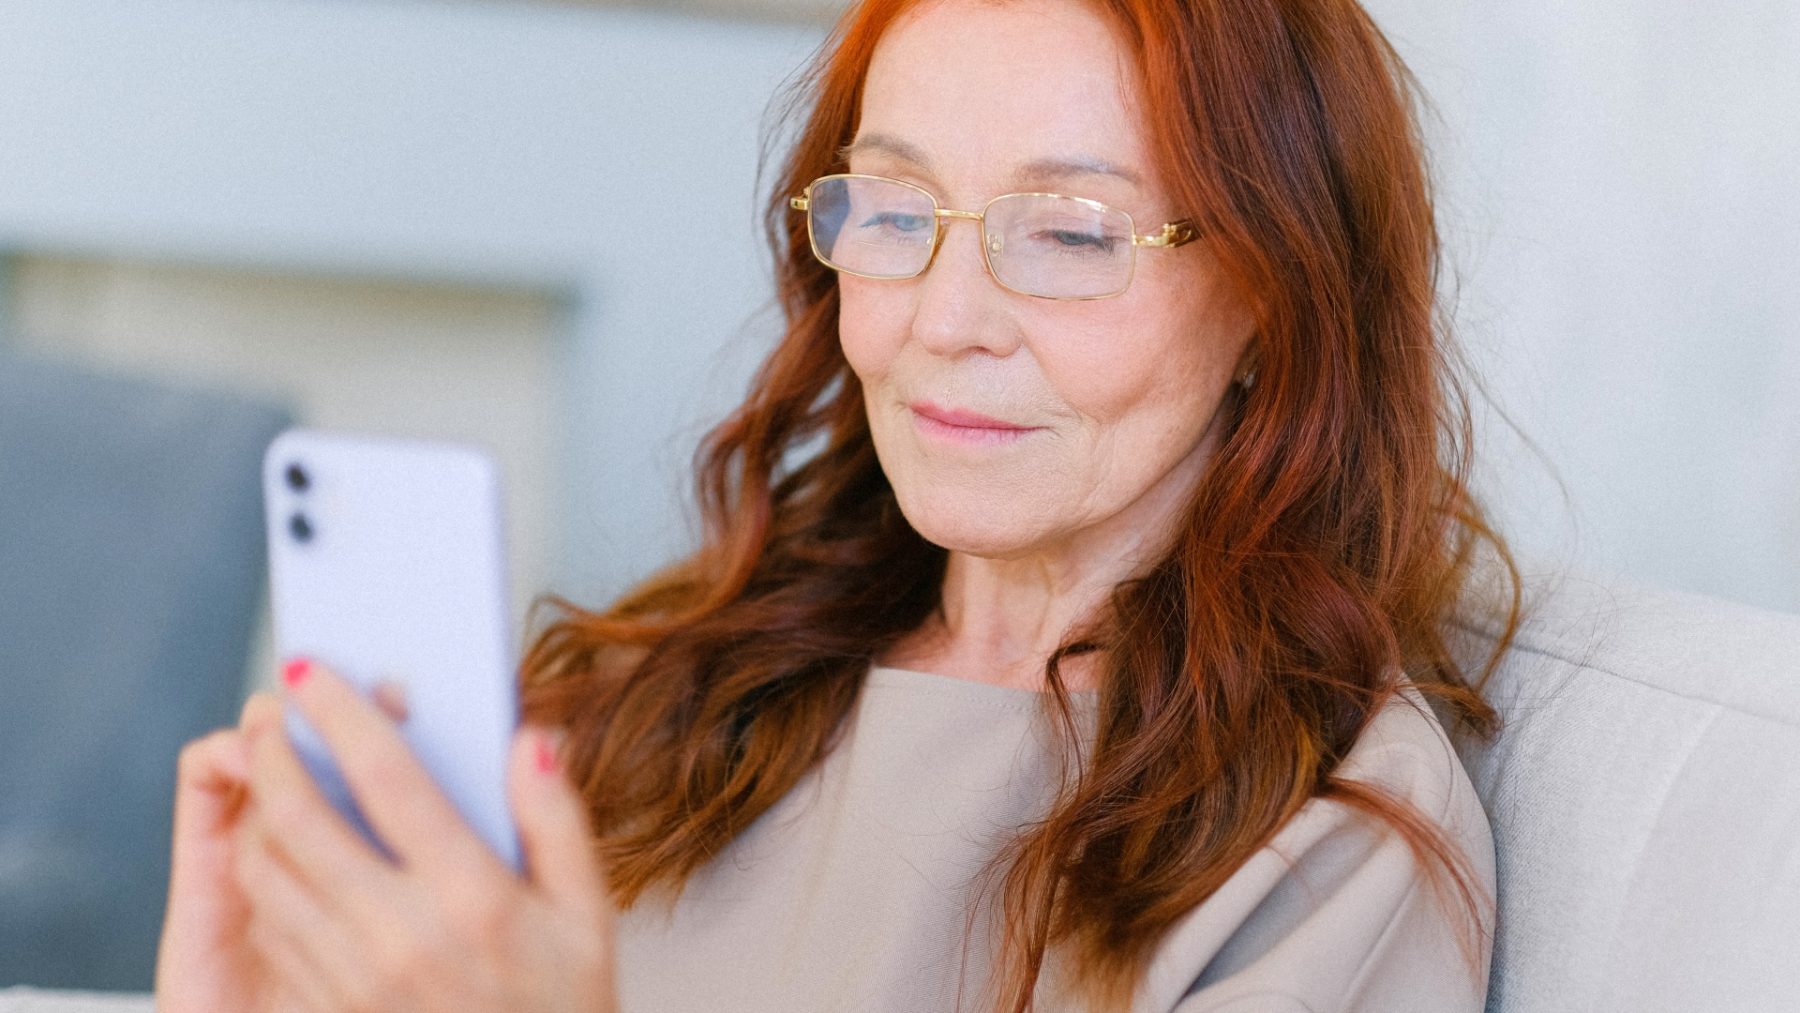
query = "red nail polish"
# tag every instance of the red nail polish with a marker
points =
(546, 756)
(295, 672)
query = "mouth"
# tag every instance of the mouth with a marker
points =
(960, 425)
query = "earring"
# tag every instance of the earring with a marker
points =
(1247, 379)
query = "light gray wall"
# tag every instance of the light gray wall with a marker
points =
(1620, 194)
(605, 156)
(819, 12)
(1622, 186)
(6, 293)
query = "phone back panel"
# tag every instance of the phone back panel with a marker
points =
(395, 571)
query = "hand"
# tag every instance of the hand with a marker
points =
(335, 926)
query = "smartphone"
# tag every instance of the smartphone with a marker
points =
(387, 565)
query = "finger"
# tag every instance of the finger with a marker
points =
(274, 895)
(401, 800)
(261, 711)
(290, 983)
(293, 819)
(210, 791)
(301, 936)
(210, 778)
(553, 828)
(303, 998)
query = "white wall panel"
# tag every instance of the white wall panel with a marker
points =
(1622, 182)
(603, 157)
(1621, 196)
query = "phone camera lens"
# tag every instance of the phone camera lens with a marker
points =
(297, 479)
(301, 528)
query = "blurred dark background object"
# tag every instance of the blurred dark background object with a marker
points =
(131, 574)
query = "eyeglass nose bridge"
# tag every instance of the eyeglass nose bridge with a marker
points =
(993, 246)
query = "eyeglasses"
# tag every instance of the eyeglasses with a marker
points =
(1038, 244)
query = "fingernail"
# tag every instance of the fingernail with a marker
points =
(546, 751)
(295, 672)
(390, 699)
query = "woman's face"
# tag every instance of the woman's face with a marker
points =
(1011, 425)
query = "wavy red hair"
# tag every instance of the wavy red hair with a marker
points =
(1325, 552)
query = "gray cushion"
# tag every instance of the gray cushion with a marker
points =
(1645, 800)
(131, 566)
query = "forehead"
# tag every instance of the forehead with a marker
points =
(994, 94)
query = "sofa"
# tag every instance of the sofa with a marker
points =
(1644, 796)
(131, 575)
(1645, 802)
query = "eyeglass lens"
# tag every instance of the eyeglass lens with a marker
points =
(1057, 247)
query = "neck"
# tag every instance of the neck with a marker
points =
(1001, 618)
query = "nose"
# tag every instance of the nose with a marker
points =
(959, 305)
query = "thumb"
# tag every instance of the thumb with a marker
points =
(553, 826)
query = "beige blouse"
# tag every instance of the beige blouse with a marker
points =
(849, 895)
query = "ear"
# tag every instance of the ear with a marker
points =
(1247, 314)
(1246, 364)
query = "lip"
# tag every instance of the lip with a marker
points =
(957, 425)
(962, 419)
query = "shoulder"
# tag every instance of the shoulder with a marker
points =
(1335, 912)
(1405, 750)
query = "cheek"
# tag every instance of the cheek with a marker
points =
(1144, 391)
(1129, 375)
(870, 330)
(1099, 380)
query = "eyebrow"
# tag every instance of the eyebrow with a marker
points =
(1059, 167)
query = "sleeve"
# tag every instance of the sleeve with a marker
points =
(1335, 915)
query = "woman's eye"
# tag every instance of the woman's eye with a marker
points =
(905, 223)
(1083, 240)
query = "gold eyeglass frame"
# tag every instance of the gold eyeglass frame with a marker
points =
(1172, 234)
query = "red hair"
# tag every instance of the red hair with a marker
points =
(1324, 553)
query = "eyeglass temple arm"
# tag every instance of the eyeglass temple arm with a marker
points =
(1171, 234)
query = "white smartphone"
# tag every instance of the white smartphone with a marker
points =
(387, 564)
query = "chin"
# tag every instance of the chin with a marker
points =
(972, 525)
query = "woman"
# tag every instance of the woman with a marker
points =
(1073, 577)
